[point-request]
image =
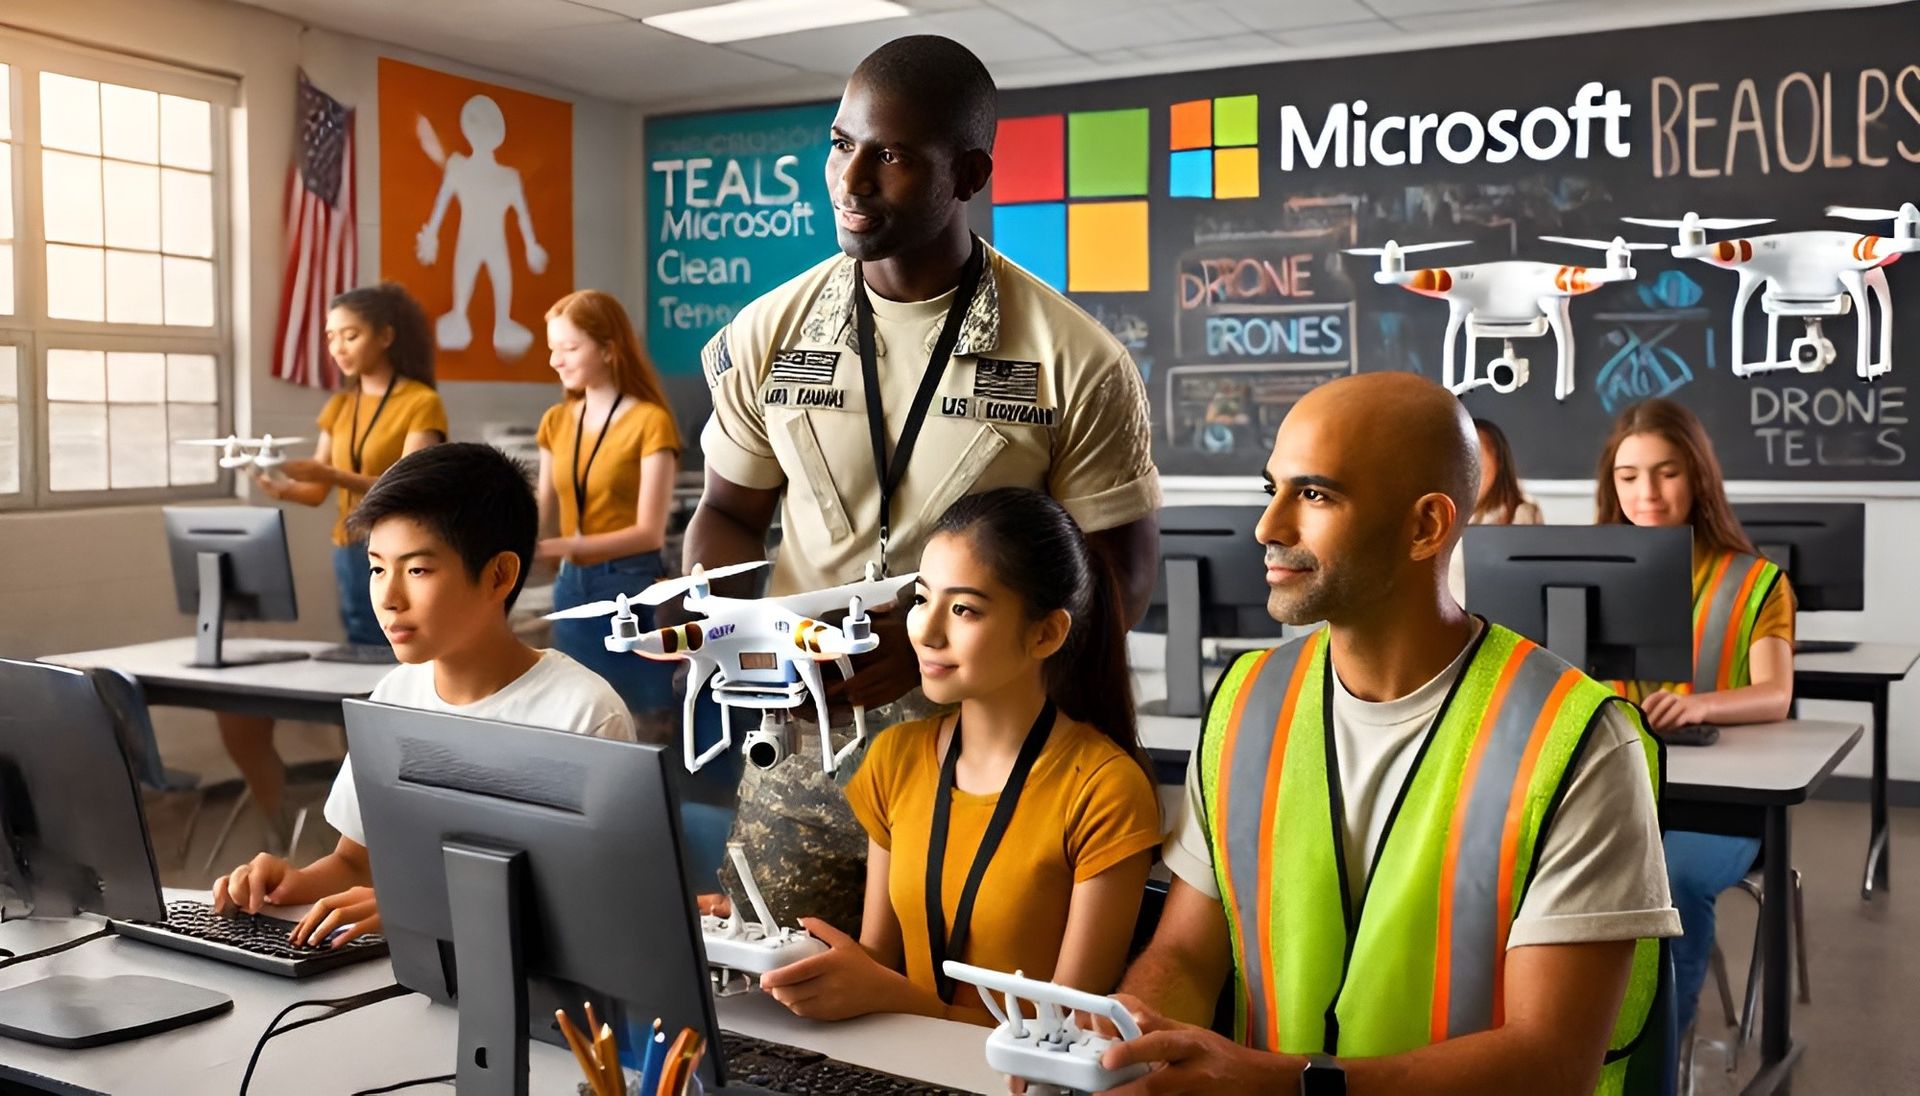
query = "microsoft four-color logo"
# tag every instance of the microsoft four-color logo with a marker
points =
(1070, 190)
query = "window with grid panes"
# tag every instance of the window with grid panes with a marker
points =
(116, 330)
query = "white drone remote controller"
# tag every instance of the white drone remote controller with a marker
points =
(1049, 1048)
(758, 946)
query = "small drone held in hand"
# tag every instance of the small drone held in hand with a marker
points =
(265, 452)
(761, 653)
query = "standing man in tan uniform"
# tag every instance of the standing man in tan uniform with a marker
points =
(865, 396)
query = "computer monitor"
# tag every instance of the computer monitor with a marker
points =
(1212, 582)
(230, 563)
(1822, 546)
(522, 870)
(73, 840)
(1614, 600)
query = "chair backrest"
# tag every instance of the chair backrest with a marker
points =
(1652, 1065)
(124, 698)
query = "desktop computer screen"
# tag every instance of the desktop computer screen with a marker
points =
(230, 563)
(522, 870)
(1616, 601)
(1822, 546)
(1212, 582)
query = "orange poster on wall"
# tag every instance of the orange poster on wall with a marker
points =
(476, 215)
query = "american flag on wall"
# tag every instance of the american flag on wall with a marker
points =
(322, 250)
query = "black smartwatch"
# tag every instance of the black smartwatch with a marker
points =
(1323, 1077)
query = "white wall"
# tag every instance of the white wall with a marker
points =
(75, 580)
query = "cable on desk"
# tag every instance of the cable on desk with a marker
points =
(340, 1007)
(12, 960)
(443, 1079)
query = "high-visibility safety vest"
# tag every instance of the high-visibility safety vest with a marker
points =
(1420, 957)
(1725, 608)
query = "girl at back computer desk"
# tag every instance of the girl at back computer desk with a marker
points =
(1659, 469)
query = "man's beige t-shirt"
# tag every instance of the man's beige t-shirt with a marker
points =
(1037, 395)
(1602, 875)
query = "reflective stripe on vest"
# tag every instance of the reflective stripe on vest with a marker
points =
(1724, 611)
(1458, 852)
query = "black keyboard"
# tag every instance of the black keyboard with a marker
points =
(795, 1072)
(248, 940)
(1690, 734)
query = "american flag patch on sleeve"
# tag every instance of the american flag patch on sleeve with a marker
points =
(1004, 380)
(805, 366)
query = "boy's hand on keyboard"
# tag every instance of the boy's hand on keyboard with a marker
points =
(354, 911)
(262, 881)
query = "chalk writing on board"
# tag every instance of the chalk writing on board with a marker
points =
(1830, 426)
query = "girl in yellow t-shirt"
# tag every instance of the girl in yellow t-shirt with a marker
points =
(1039, 820)
(608, 455)
(379, 339)
(1658, 468)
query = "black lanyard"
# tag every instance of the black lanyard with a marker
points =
(357, 445)
(580, 477)
(938, 939)
(891, 473)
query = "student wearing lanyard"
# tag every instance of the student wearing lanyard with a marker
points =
(1658, 468)
(868, 394)
(380, 340)
(1016, 831)
(608, 455)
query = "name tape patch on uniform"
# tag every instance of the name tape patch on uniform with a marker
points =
(835, 398)
(995, 379)
(805, 366)
(1018, 413)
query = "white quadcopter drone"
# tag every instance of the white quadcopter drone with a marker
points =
(762, 653)
(1813, 275)
(1506, 300)
(267, 451)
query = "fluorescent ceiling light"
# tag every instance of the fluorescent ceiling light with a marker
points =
(764, 18)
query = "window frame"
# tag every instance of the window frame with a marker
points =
(35, 333)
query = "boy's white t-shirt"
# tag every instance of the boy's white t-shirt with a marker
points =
(556, 693)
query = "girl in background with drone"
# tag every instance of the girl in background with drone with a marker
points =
(379, 339)
(1659, 469)
(1029, 799)
(609, 452)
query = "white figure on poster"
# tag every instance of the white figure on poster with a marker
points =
(486, 190)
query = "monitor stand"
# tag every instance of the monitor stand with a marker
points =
(1186, 691)
(485, 894)
(209, 629)
(1568, 624)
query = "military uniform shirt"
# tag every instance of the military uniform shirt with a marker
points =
(1037, 395)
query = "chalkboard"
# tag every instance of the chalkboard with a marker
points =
(1201, 217)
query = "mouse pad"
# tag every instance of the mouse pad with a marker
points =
(73, 1012)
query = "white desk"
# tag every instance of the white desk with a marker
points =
(391, 1041)
(1866, 675)
(304, 689)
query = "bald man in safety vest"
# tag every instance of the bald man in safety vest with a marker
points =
(1426, 849)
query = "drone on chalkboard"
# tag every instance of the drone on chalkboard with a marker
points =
(1506, 300)
(1814, 275)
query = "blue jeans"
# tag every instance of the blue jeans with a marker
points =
(356, 600)
(1699, 867)
(645, 685)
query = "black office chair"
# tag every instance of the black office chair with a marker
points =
(127, 702)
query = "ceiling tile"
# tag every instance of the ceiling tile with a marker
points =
(1266, 15)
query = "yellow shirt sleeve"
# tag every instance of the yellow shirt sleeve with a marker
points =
(657, 430)
(1776, 614)
(550, 426)
(1103, 471)
(1116, 816)
(871, 791)
(427, 413)
(330, 414)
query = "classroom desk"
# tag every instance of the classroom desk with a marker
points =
(305, 689)
(389, 1042)
(1761, 771)
(1865, 674)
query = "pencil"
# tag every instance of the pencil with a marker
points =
(580, 1052)
(609, 1050)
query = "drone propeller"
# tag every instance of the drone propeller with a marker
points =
(1695, 221)
(1394, 247)
(592, 609)
(662, 592)
(1907, 213)
(215, 442)
(1615, 244)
